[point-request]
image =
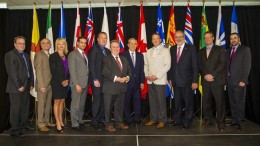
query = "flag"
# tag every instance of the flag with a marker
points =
(171, 28)
(77, 32)
(49, 33)
(220, 34)
(204, 28)
(188, 26)
(89, 30)
(142, 45)
(234, 23)
(62, 30)
(105, 27)
(160, 27)
(120, 31)
(35, 46)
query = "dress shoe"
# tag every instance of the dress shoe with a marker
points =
(185, 126)
(239, 127)
(59, 130)
(43, 129)
(77, 128)
(50, 125)
(175, 124)
(96, 127)
(17, 134)
(122, 126)
(206, 123)
(110, 128)
(220, 127)
(231, 124)
(28, 129)
(150, 123)
(160, 125)
(82, 126)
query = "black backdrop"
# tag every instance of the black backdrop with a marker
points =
(19, 22)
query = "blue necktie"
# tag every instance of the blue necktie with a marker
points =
(27, 68)
(104, 51)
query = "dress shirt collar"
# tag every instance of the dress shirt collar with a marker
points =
(182, 46)
(80, 51)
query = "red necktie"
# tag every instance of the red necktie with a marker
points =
(118, 64)
(178, 54)
(231, 58)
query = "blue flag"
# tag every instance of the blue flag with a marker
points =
(62, 32)
(160, 26)
(234, 23)
(220, 34)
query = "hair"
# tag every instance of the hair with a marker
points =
(64, 41)
(45, 39)
(235, 33)
(82, 37)
(181, 31)
(19, 37)
(209, 32)
(102, 33)
(132, 39)
(114, 41)
(156, 34)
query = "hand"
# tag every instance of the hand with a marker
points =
(43, 90)
(194, 86)
(170, 82)
(31, 88)
(21, 89)
(242, 84)
(209, 78)
(142, 86)
(65, 83)
(78, 88)
(125, 79)
(148, 78)
(153, 77)
(119, 79)
(96, 83)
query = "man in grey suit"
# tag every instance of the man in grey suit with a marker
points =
(116, 73)
(78, 68)
(212, 63)
(20, 81)
(42, 84)
(238, 69)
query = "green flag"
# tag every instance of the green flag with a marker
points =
(49, 33)
(204, 27)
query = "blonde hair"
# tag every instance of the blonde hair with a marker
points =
(64, 41)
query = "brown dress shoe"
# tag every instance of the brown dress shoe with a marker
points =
(122, 126)
(44, 129)
(50, 125)
(150, 123)
(110, 128)
(160, 125)
(206, 123)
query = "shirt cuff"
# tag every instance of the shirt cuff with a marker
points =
(115, 78)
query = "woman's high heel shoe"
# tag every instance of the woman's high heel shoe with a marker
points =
(60, 130)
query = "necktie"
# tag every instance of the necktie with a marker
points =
(24, 59)
(83, 55)
(118, 64)
(48, 54)
(208, 51)
(133, 58)
(231, 58)
(178, 54)
(104, 51)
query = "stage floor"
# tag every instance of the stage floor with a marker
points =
(140, 135)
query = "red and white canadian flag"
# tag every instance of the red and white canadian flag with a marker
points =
(77, 32)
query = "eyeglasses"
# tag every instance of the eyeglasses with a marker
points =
(21, 44)
(178, 37)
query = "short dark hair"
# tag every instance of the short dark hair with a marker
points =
(102, 33)
(114, 41)
(235, 33)
(81, 37)
(19, 37)
(209, 32)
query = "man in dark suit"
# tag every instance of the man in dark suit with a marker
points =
(20, 81)
(116, 73)
(136, 83)
(212, 63)
(238, 69)
(183, 76)
(95, 56)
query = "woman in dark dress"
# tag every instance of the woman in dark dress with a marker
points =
(60, 79)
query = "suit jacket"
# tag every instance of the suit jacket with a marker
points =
(78, 69)
(158, 65)
(42, 70)
(17, 71)
(95, 58)
(240, 65)
(110, 69)
(215, 65)
(137, 70)
(57, 70)
(185, 72)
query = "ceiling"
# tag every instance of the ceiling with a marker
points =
(27, 4)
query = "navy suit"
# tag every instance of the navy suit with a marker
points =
(133, 88)
(182, 75)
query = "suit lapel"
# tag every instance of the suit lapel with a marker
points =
(211, 51)
(130, 58)
(115, 63)
(184, 52)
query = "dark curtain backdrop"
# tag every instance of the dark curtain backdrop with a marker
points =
(19, 22)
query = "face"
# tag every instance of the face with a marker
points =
(208, 38)
(132, 44)
(179, 38)
(102, 39)
(234, 40)
(156, 40)
(115, 48)
(82, 44)
(45, 45)
(20, 44)
(61, 46)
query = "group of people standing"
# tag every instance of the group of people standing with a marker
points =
(117, 80)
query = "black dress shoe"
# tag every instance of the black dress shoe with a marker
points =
(231, 124)
(221, 127)
(17, 134)
(28, 129)
(97, 127)
(175, 124)
(77, 128)
(82, 126)
(239, 127)
(206, 123)
(185, 126)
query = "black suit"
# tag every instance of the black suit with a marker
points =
(238, 71)
(114, 92)
(133, 93)
(18, 77)
(95, 58)
(214, 65)
(182, 75)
